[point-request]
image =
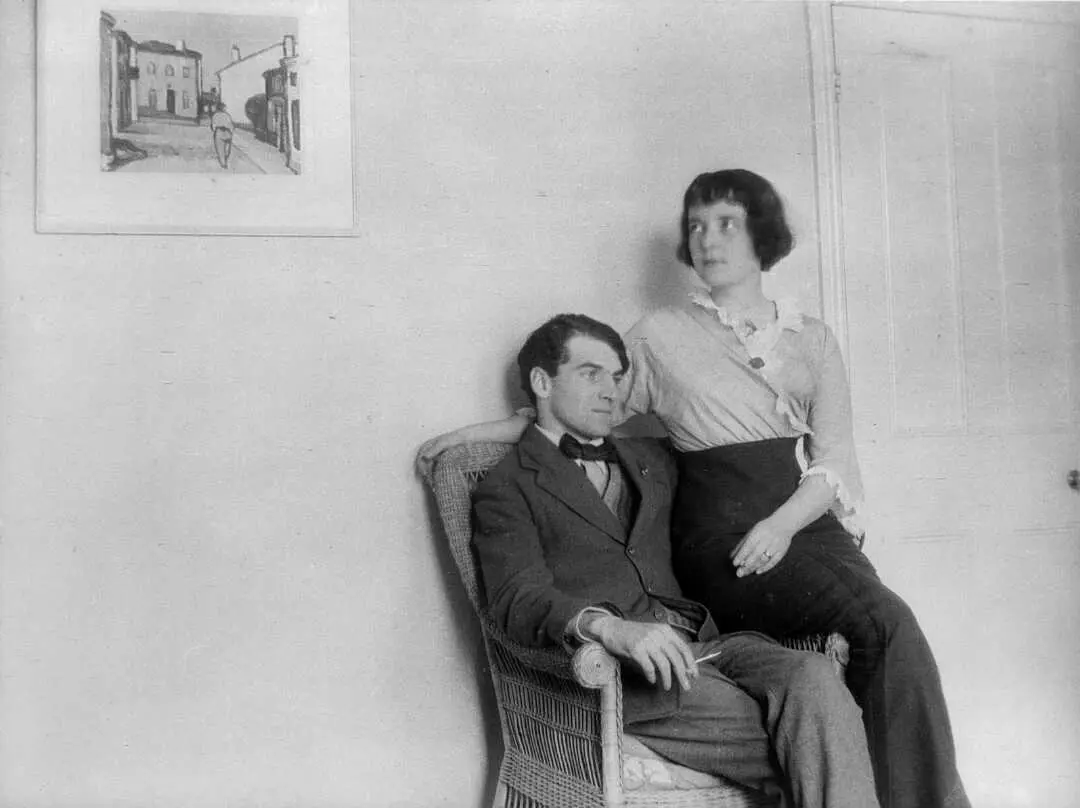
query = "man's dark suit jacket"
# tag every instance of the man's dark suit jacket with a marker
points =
(549, 547)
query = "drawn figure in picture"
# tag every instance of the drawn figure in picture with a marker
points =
(221, 127)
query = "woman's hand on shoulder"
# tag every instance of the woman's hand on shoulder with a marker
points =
(761, 549)
(507, 430)
(432, 448)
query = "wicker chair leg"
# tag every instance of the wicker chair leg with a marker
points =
(611, 731)
(500, 794)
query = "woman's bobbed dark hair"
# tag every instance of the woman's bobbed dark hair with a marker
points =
(765, 220)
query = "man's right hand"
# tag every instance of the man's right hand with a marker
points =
(658, 649)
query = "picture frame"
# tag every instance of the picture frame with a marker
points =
(128, 139)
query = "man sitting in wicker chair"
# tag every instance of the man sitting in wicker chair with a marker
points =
(573, 540)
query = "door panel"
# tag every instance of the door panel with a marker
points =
(960, 205)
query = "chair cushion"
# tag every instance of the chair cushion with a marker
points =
(644, 770)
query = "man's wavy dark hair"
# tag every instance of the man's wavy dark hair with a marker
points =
(546, 347)
(765, 218)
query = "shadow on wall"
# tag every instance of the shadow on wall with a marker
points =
(513, 393)
(467, 637)
(663, 283)
(470, 643)
(666, 281)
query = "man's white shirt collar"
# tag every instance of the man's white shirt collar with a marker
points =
(556, 437)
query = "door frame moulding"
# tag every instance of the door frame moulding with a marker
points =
(825, 108)
(825, 93)
(1056, 12)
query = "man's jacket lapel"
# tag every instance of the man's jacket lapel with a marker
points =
(638, 475)
(564, 479)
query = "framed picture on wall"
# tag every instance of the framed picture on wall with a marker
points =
(195, 117)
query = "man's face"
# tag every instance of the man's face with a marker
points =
(580, 398)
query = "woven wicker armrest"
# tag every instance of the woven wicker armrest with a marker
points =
(834, 646)
(552, 659)
(590, 666)
(594, 667)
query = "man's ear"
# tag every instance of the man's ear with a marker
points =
(540, 382)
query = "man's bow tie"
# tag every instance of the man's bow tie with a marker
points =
(570, 447)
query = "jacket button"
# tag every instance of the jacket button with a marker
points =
(630, 551)
(658, 614)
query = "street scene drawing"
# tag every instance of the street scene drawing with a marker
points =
(200, 93)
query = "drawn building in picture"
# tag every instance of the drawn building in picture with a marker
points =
(153, 87)
(125, 81)
(170, 79)
(106, 24)
(119, 82)
(283, 87)
(241, 87)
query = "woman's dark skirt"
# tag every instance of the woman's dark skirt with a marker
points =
(823, 584)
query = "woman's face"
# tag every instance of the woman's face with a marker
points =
(721, 248)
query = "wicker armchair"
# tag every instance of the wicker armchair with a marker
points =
(561, 716)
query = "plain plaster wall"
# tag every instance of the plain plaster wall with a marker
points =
(220, 583)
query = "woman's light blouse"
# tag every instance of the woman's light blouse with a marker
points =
(714, 381)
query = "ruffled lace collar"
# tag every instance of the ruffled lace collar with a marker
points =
(788, 316)
(760, 345)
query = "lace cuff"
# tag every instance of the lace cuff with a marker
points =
(845, 507)
(573, 628)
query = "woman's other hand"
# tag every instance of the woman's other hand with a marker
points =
(768, 541)
(761, 549)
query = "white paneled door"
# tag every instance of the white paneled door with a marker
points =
(959, 172)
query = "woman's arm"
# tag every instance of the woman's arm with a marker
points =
(831, 476)
(831, 448)
(506, 430)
